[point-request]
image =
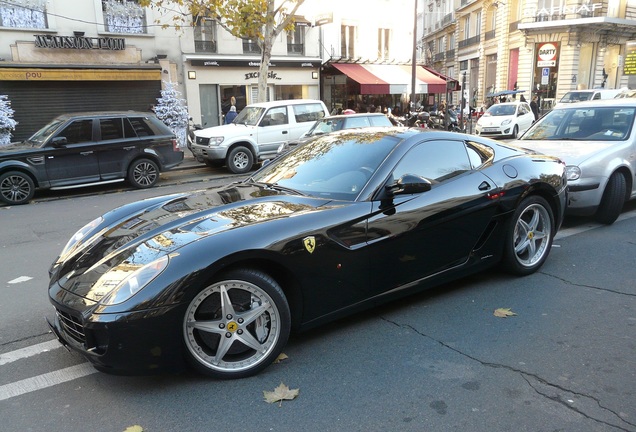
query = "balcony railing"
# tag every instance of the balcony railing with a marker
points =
(470, 41)
(438, 57)
(450, 54)
(513, 26)
(490, 34)
(295, 49)
(251, 48)
(448, 18)
(205, 46)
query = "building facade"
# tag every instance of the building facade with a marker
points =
(59, 56)
(543, 47)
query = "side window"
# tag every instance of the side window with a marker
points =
(275, 117)
(79, 131)
(111, 129)
(143, 127)
(436, 161)
(129, 131)
(308, 112)
(380, 121)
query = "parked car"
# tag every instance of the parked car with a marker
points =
(626, 93)
(587, 95)
(505, 119)
(597, 141)
(88, 149)
(256, 133)
(218, 278)
(335, 123)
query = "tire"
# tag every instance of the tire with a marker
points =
(515, 132)
(16, 188)
(245, 315)
(143, 173)
(240, 160)
(613, 199)
(529, 237)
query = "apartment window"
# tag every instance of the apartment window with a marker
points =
(204, 35)
(250, 46)
(296, 41)
(347, 41)
(467, 27)
(383, 43)
(440, 45)
(32, 16)
(124, 16)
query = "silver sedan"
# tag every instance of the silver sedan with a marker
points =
(597, 142)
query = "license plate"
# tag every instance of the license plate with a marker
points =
(491, 129)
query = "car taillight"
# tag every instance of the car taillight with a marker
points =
(175, 146)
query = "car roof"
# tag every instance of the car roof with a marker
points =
(627, 102)
(105, 114)
(284, 102)
(509, 103)
(331, 117)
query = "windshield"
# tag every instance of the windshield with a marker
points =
(584, 124)
(249, 116)
(38, 138)
(501, 110)
(334, 166)
(576, 96)
(326, 126)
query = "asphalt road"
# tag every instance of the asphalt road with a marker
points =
(436, 361)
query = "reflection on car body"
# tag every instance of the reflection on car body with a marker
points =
(218, 278)
(597, 140)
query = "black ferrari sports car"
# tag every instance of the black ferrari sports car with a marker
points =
(218, 278)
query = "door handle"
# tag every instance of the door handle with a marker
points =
(284, 132)
(129, 148)
(484, 186)
(86, 153)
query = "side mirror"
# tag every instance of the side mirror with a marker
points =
(409, 184)
(59, 141)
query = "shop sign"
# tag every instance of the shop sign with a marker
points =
(80, 42)
(547, 54)
(582, 9)
(254, 64)
(271, 75)
(629, 66)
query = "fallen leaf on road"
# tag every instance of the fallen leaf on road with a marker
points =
(280, 393)
(503, 313)
(281, 357)
(135, 428)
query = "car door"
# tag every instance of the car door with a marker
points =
(73, 160)
(415, 236)
(273, 130)
(525, 117)
(117, 146)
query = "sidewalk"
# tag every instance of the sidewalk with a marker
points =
(189, 162)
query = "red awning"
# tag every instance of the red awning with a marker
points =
(391, 79)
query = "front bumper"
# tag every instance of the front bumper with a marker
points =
(209, 153)
(132, 343)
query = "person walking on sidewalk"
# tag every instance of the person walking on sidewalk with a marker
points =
(231, 115)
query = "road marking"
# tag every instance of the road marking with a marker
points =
(29, 351)
(20, 279)
(567, 232)
(45, 380)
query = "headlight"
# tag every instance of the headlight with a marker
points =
(214, 141)
(505, 122)
(572, 172)
(128, 284)
(79, 236)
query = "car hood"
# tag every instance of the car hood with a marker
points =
(17, 147)
(493, 120)
(129, 240)
(571, 152)
(225, 130)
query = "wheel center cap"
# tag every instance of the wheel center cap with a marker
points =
(232, 326)
(530, 235)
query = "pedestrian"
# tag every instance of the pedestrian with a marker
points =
(535, 108)
(231, 115)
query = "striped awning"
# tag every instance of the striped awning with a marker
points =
(391, 79)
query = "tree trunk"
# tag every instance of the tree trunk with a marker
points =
(266, 52)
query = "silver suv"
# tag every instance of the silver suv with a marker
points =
(256, 133)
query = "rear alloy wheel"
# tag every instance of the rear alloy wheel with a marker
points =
(143, 173)
(530, 236)
(240, 160)
(237, 326)
(515, 132)
(16, 188)
(613, 200)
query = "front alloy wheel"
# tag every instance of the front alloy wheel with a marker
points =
(16, 188)
(237, 326)
(529, 240)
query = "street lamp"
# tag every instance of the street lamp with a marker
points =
(413, 59)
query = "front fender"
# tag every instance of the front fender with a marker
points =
(37, 172)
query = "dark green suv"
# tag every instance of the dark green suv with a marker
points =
(88, 149)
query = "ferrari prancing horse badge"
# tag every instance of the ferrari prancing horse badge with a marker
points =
(310, 243)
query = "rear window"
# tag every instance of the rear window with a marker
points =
(147, 126)
(308, 112)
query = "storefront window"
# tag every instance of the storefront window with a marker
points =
(586, 65)
(232, 91)
(29, 14)
(289, 92)
(124, 16)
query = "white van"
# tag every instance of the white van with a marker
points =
(587, 95)
(256, 133)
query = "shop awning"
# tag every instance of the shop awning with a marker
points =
(391, 79)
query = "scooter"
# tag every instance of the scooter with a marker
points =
(192, 138)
